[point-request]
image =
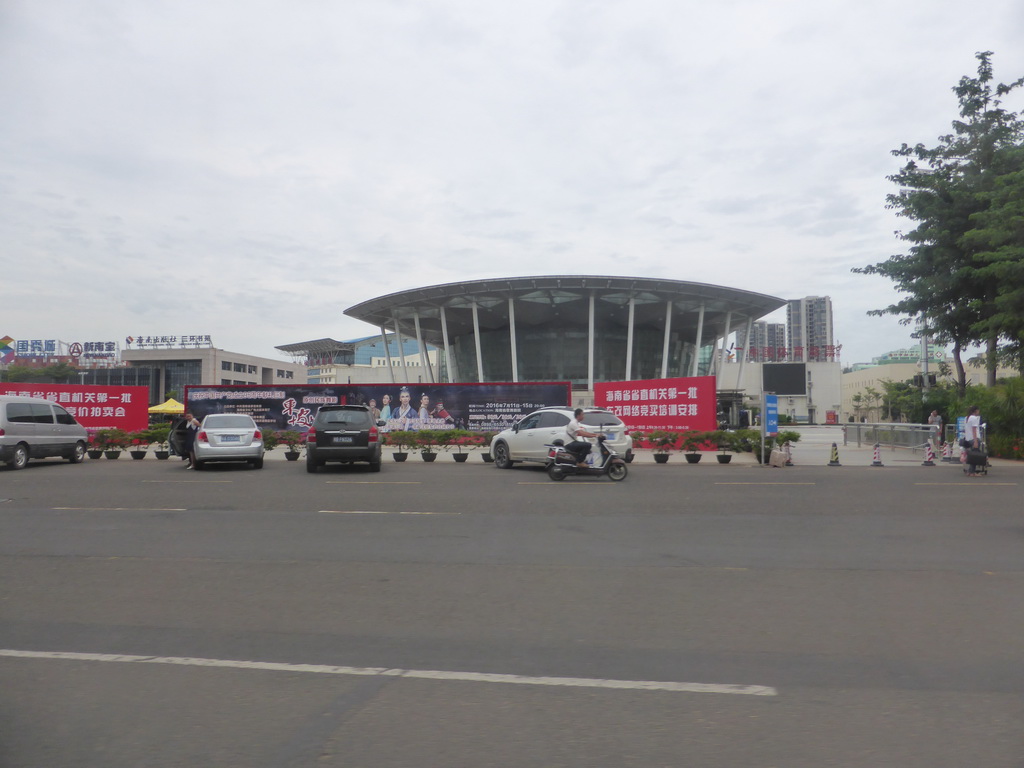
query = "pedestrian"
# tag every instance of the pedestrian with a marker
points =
(189, 447)
(935, 421)
(972, 439)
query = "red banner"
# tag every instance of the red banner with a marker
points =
(94, 407)
(677, 405)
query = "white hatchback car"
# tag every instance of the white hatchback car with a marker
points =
(229, 437)
(528, 439)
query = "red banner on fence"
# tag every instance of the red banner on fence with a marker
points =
(678, 404)
(93, 406)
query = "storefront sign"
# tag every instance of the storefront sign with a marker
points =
(167, 342)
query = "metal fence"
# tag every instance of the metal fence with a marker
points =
(912, 436)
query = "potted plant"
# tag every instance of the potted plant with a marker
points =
(113, 441)
(458, 439)
(292, 440)
(638, 437)
(95, 447)
(663, 441)
(485, 441)
(399, 440)
(139, 443)
(728, 442)
(692, 442)
(428, 441)
(158, 435)
(270, 440)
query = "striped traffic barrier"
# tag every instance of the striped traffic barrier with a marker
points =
(788, 450)
(877, 462)
(929, 456)
(834, 459)
(947, 452)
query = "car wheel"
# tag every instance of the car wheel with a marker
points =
(375, 466)
(617, 471)
(78, 454)
(312, 465)
(197, 465)
(20, 457)
(502, 460)
(257, 463)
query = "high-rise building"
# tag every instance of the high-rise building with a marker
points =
(810, 329)
(767, 342)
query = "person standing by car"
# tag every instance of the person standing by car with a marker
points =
(576, 430)
(972, 438)
(191, 430)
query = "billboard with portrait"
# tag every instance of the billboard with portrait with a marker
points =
(489, 407)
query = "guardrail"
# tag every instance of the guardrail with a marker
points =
(912, 436)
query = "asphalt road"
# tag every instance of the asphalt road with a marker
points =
(458, 615)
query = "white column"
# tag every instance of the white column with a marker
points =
(424, 360)
(590, 346)
(453, 371)
(629, 339)
(479, 352)
(743, 359)
(696, 346)
(387, 352)
(401, 348)
(668, 333)
(725, 347)
(512, 338)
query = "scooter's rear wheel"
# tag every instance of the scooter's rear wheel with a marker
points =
(555, 472)
(618, 471)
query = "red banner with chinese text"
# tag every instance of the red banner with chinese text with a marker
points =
(93, 406)
(678, 404)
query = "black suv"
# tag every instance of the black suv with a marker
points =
(344, 433)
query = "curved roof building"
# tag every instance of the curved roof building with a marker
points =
(581, 328)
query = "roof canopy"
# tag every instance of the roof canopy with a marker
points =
(542, 300)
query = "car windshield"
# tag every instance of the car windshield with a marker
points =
(227, 421)
(601, 419)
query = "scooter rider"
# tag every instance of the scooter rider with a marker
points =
(577, 447)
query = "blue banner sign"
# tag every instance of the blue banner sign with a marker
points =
(771, 414)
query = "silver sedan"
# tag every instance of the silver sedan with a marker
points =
(229, 437)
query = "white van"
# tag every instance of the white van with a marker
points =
(31, 427)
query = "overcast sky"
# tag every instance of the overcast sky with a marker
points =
(248, 170)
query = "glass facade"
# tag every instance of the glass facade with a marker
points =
(557, 354)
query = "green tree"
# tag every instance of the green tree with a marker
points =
(19, 373)
(943, 189)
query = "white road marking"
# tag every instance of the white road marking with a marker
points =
(373, 482)
(417, 674)
(378, 512)
(121, 509)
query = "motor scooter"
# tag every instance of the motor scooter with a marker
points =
(561, 463)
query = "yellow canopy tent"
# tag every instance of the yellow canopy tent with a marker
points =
(171, 406)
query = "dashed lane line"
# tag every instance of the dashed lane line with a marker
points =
(378, 512)
(414, 674)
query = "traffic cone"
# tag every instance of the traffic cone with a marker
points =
(878, 456)
(834, 460)
(929, 456)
